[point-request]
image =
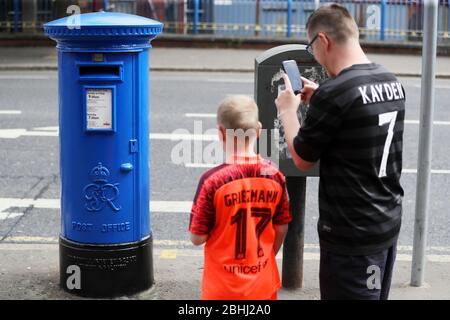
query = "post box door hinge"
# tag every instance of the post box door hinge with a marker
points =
(134, 147)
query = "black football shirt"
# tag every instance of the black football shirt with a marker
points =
(354, 125)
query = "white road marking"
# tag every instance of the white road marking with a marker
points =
(46, 203)
(399, 248)
(200, 115)
(49, 243)
(41, 133)
(54, 132)
(201, 165)
(436, 86)
(155, 206)
(47, 129)
(436, 123)
(212, 165)
(222, 80)
(27, 246)
(47, 132)
(187, 243)
(31, 239)
(17, 133)
(169, 254)
(307, 256)
(210, 115)
(400, 257)
(12, 133)
(432, 171)
(50, 131)
(10, 215)
(183, 136)
(201, 79)
(167, 207)
(170, 243)
(173, 243)
(37, 239)
(171, 206)
(9, 112)
(26, 77)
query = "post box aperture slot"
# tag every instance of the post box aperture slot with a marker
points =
(100, 72)
(99, 108)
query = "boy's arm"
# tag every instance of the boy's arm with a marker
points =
(202, 212)
(287, 104)
(280, 233)
(198, 239)
(282, 215)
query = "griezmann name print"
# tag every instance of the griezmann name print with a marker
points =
(250, 196)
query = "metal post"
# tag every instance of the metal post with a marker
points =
(289, 18)
(196, 5)
(383, 19)
(425, 139)
(292, 270)
(448, 20)
(16, 15)
(257, 26)
(29, 16)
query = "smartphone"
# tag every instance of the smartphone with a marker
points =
(291, 69)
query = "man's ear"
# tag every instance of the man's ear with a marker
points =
(325, 41)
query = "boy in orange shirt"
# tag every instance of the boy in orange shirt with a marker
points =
(240, 211)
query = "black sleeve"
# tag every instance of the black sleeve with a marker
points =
(321, 125)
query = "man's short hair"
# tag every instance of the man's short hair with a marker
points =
(238, 112)
(334, 20)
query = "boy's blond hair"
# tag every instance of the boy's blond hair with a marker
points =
(238, 112)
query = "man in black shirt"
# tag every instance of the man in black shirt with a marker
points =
(354, 125)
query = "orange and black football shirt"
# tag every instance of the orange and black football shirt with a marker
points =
(237, 204)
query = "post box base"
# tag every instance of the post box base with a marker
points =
(106, 270)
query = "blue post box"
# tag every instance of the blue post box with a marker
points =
(106, 238)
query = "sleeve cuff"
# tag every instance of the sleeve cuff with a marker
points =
(283, 219)
(306, 151)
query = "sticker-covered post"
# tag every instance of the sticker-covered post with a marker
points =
(272, 144)
(106, 238)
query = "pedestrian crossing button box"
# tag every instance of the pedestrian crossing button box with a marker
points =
(268, 84)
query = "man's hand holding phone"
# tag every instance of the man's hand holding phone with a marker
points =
(297, 89)
(287, 104)
(287, 101)
(290, 67)
(308, 89)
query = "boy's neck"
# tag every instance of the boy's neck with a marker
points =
(247, 152)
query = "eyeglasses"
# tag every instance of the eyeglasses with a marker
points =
(309, 46)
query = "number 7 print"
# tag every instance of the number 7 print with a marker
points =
(384, 118)
(240, 219)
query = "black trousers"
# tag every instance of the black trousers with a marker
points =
(344, 277)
